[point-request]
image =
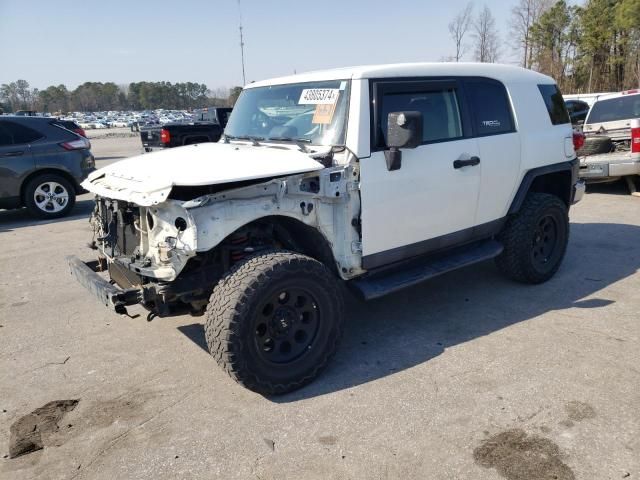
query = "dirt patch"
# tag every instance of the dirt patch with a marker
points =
(33, 431)
(517, 456)
(578, 411)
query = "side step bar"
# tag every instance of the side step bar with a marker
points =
(391, 280)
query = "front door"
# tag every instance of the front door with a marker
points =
(430, 202)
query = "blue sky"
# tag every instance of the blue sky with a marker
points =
(51, 42)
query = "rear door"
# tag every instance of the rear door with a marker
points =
(16, 160)
(430, 202)
(499, 144)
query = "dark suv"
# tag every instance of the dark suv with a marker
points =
(41, 165)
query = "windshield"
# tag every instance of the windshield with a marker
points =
(311, 112)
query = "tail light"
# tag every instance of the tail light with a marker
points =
(165, 136)
(76, 144)
(635, 136)
(578, 141)
(80, 132)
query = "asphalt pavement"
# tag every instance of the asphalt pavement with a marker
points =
(469, 376)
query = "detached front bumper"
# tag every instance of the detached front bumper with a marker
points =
(108, 294)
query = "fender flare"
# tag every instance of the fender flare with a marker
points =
(570, 166)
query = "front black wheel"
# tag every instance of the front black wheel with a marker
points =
(535, 239)
(274, 321)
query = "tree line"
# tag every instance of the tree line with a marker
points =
(593, 47)
(98, 96)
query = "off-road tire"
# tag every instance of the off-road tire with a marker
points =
(34, 183)
(595, 145)
(235, 307)
(520, 237)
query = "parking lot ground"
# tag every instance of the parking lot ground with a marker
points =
(469, 376)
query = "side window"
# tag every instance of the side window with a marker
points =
(555, 104)
(5, 137)
(490, 107)
(20, 133)
(439, 108)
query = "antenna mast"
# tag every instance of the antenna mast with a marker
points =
(244, 79)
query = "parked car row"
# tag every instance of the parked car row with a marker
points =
(114, 119)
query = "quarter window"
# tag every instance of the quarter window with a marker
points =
(555, 104)
(490, 107)
(439, 108)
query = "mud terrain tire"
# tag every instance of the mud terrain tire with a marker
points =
(275, 320)
(535, 239)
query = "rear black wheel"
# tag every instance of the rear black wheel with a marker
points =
(274, 321)
(535, 239)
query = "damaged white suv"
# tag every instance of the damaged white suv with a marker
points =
(374, 177)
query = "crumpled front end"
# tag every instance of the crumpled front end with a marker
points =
(149, 241)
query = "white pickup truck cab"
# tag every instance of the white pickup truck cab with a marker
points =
(612, 144)
(374, 178)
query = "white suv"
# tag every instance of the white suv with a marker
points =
(374, 177)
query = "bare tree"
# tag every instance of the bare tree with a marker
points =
(486, 36)
(523, 16)
(458, 28)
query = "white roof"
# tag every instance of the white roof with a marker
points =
(504, 73)
(626, 93)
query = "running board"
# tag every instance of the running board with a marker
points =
(379, 284)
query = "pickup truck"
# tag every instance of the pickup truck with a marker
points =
(612, 139)
(207, 126)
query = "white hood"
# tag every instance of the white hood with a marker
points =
(147, 179)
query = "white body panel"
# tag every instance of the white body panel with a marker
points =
(425, 198)
(499, 170)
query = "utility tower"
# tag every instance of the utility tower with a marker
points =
(244, 79)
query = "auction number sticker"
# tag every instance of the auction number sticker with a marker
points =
(319, 96)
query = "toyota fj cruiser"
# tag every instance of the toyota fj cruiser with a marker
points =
(374, 177)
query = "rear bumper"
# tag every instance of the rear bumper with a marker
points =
(109, 295)
(609, 166)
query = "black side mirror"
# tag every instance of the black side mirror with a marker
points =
(404, 130)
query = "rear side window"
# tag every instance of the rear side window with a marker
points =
(555, 104)
(439, 108)
(20, 134)
(615, 109)
(490, 107)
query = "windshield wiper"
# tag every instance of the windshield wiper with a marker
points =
(250, 138)
(299, 141)
(290, 139)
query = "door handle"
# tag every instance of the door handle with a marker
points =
(472, 162)
(12, 154)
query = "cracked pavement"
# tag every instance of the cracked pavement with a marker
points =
(422, 380)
